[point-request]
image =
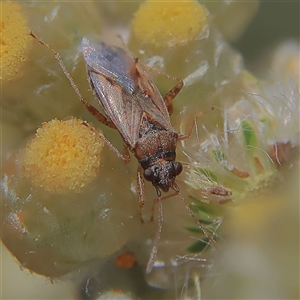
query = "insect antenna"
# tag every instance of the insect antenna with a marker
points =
(158, 234)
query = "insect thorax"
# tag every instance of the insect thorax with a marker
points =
(157, 146)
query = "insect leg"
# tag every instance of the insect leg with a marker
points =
(185, 136)
(168, 98)
(141, 190)
(101, 118)
(210, 238)
(171, 94)
(156, 200)
(124, 155)
(98, 115)
(157, 237)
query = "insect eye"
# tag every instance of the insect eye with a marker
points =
(178, 168)
(148, 174)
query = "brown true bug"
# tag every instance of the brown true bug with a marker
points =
(133, 105)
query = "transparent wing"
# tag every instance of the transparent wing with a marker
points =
(125, 91)
(112, 62)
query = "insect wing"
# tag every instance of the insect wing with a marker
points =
(117, 106)
(124, 90)
(153, 99)
(112, 62)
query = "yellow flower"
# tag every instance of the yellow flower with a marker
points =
(14, 39)
(165, 24)
(64, 156)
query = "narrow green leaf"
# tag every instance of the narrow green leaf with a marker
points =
(209, 174)
(219, 155)
(249, 134)
(199, 246)
(197, 229)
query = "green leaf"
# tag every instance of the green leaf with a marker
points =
(197, 229)
(209, 174)
(219, 155)
(248, 134)
(199, 246)
(199, 207)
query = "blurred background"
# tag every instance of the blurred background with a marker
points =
(274, 22)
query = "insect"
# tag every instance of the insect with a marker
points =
(133, 105)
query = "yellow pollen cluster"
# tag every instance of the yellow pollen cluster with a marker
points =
(165, 24)
(64, 156)
(14, 39)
